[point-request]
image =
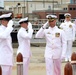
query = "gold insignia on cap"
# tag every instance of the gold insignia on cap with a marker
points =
(57, 34)
(70, 26)
(51, 19)
(67, 16)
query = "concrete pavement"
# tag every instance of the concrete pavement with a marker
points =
(37, 63)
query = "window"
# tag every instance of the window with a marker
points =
(73, 8)
(64, 8)
(70, 8)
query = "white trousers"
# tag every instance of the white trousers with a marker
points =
(69, 49)
(53, 66)
(6, 70)
(26, 62)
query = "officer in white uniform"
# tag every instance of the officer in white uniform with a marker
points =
(24, 36)
(55, 45)
(69, 29)
(6, 50)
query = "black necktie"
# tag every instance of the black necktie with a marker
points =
(26, 30)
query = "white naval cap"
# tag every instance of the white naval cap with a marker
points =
(51, 17)
(23, 20)
(67, 14)
(6, 16)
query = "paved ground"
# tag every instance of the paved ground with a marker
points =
(37, 64)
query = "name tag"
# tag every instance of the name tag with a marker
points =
(70, 26)
(57, 34)
(48, 33)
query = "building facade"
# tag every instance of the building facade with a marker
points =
(40, 8)
(23, 7)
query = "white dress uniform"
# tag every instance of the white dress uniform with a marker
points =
(24, 38)
(6, 50)
(69, 29)
(55, 48)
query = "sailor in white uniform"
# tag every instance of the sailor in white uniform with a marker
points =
(69, 29)
(55, 45)
(24, 36)
(6, 50)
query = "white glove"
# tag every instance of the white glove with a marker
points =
(10, 23)
(45, 25)
(29, 25)
(73, 39)
(30, 30)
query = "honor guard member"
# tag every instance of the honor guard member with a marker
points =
(69, 29)
(55, 45)
(6, 50)
(24, 36)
